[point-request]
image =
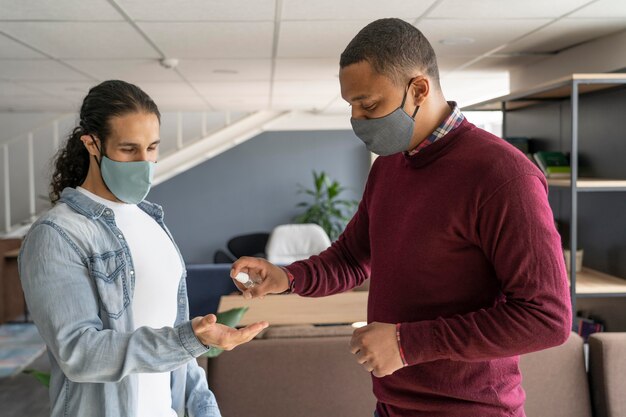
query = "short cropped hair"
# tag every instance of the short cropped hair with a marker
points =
(394, 48)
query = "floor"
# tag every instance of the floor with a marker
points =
(24, 396)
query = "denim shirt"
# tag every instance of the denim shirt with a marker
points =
(78, 280)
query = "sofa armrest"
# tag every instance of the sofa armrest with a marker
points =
(607, 373)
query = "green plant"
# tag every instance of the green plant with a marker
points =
(327, 209)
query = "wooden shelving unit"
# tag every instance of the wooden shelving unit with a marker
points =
(588, 282)
(590, 184)
(553, 90)
(592, 283)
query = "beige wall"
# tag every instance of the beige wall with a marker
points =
(606, 54)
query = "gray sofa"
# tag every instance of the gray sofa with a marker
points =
(607, 374)
(307, 371)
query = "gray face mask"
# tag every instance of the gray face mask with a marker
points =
(388, 134)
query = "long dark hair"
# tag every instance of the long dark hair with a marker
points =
(106, 100)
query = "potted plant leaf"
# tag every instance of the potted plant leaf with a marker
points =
(327, 209)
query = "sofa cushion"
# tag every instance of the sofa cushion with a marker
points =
(291, 377)
(555, 381)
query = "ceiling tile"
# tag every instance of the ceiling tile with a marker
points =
(504, 9)
(61, 88)
(82, 39)
(77, 10)
(179, 89)
(347, 10)
(37, 104)
(566, 33)
(301, 102)
(316, 39)
(233, 89)
(38, 69)
(226, 69)
(609, 9)
(131, 70)
(500, 63)
(173, 103)
(306, 69)
(448, 63)
(212, 40)
(11, 49)
(487, 34)
(12, 89)
(317, 88)
(200, 10)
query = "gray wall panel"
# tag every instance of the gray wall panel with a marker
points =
(253, 187)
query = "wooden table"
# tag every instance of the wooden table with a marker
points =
(287, 309)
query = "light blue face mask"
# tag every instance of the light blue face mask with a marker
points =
(389, 134)
(128, 181)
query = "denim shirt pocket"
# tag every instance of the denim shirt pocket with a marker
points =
(109, 272)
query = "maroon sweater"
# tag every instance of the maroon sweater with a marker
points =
(460, 244)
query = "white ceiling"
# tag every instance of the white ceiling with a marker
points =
(247, 55)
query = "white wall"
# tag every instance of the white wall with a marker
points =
(606, 54)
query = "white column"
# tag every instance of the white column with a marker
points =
(55, 135)
(204, 129)
(31, 176)
(179, 130)
(7, 191)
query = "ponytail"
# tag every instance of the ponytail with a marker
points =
(71, 165)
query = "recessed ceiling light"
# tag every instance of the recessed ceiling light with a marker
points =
(457, 41)
(225, 71)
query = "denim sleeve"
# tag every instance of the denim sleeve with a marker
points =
(63, 302)
(200, 401)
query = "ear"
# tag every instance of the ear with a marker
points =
(90, 145)
(419, 89)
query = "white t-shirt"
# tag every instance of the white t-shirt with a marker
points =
(158, 271)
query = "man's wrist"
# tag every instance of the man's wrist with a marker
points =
(404, 362)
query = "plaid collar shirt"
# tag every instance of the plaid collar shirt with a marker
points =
(451, 123)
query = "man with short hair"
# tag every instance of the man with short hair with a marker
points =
(454, 229)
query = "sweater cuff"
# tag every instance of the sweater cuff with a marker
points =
(189, 340)
(297, 277)
(419, 342)
(292, 281)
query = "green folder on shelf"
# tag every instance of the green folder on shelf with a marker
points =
(553, 164)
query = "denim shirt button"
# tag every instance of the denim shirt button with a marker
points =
(181, 300)
(107, 212)
(132, 272)
(120, 236)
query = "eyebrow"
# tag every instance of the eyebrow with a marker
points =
(361, 97)
(136, 145)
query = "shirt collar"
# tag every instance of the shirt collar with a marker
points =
(92, 209)
(452, 122)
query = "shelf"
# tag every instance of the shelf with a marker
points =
(591, 283)
(553, 90)
(589, 184)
